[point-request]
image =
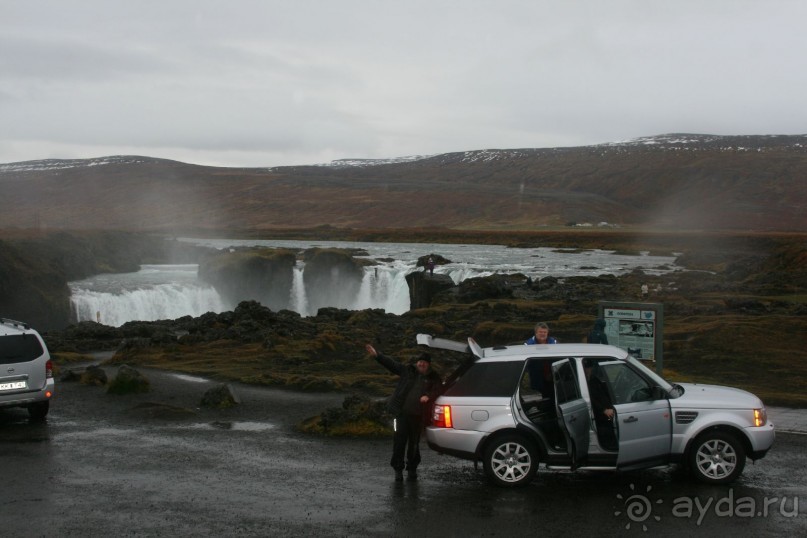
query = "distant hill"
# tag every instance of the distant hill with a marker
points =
(677, 181)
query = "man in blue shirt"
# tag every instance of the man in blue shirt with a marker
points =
(541, 335)
(541, 374)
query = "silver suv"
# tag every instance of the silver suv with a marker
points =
(588, 406)
(26, 372)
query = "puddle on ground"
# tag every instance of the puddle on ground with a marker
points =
(191, 378)
(233, 426)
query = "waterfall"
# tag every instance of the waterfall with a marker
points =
(384, 287)
(115, 299)
(297, 297)
(365, 297)
(165, 301)
(172, 291)
(395, 290)
(381, 287)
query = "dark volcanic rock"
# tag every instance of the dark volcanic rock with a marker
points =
(265, 275)
(423, 261)
(477, 289)
(221, 397)
(84, 337)
(128, 381)
(359, 415)
(94, 375)
(423, 287)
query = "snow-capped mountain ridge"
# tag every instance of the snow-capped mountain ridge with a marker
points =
(670, 141)
(63, 164)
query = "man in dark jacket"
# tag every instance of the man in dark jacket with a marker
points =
(418, 387)
(597, 334)
(600, 404)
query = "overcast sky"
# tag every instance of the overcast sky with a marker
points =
(271, 82)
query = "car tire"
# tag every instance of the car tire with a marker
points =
(39, 410)
(510, 461)
(717, 458)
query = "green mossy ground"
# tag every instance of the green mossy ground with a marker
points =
(739, 323)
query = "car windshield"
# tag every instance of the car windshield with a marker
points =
(660, 381)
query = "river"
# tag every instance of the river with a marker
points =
(171, 291)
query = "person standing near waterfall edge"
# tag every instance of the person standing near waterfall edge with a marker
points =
(418, 387)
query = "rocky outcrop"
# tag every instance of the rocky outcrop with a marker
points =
(36, 267)
(32, 291)
(423, 261)
(332, 277)
(471, 290)
(262, 274)
(220, 397)
(94, 375)
(358, 416)
(423, 287)
(128, 381)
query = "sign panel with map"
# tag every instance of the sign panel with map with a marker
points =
(634, 327)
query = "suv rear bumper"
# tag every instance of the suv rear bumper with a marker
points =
(455, 453)
(22, 399)
(461, 443)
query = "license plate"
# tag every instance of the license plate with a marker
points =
(13, 385)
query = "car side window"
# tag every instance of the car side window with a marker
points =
(566, 386)
(488, 379)
(626, 385)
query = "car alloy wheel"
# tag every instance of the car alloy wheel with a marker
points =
(510, 461)
(717, 458)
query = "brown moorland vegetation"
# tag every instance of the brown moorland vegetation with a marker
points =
(672, 182)
(736, 321)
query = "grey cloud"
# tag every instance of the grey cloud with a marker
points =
(281, 81)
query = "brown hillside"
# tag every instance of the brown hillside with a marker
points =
(668, 182)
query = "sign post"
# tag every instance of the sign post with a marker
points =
(638, 328)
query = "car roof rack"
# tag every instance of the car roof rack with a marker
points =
(15, 323)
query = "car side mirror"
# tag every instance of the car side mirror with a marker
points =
(647, 394)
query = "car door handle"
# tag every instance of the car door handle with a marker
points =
(631, 419)
(573, 418)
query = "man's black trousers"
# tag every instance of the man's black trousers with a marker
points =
(406, 441)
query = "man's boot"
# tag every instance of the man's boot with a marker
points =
(398, 475)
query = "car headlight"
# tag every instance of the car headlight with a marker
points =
(760, 417)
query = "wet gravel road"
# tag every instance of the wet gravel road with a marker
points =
(107, 465)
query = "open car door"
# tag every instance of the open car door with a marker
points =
(573, 413)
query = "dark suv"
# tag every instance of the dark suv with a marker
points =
(26, 372)
(589, 406)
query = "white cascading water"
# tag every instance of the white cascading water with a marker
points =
(298, 302)
(167, 301)
(172, 291)
(384, 287)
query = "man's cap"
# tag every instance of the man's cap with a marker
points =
(424, 357)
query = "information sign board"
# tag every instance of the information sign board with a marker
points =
(635, 327)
